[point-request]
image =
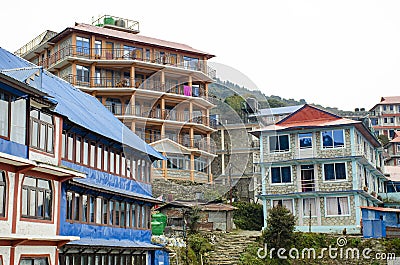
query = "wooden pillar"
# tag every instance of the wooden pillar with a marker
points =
(190, 80)
(207, 121)
(92, 74)
(132, 103)
(91, 47)
(163, 116)
(210, 175)
(73, 71)
(163, 80)
(190, 111)
(132, 77)
(191, 136)
(73, 43)
(206, 90)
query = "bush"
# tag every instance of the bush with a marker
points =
(248, 216)
(280, 228)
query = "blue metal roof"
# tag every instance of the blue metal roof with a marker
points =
(277, 111)
(79, 107)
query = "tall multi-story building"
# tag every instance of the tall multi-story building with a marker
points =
(322, 168)
(157, 88)
(74, 181)
(385, 116)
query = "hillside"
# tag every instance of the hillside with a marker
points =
(224, 89)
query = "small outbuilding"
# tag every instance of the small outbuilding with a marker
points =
(378, 222)
(213, 216)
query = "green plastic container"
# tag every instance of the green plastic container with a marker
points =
(109, 21)
(160, 217)
(157, 228)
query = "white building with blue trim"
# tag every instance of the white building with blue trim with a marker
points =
(322, 167)
(75, 183)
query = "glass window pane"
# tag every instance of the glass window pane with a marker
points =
(275, 174)
(327, 139)
(42, 137)
(285, 174)
(4, 114)
(338, 138)
(329, 172)
(340, 170)
(273, 143)
(284, 143)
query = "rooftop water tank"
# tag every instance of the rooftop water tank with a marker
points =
(109, 21)
(120, 23)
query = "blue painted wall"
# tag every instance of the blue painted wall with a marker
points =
(375, 222)
(13, 148)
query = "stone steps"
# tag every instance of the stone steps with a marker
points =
(228, 247)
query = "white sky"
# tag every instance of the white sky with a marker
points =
(343, 54)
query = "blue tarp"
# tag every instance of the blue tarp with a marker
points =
(79, 107)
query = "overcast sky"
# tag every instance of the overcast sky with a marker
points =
(343, 54)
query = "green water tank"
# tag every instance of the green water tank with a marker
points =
(160, 217)
(109, 21)
(157, 228)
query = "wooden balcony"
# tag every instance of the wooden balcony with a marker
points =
(99, 54)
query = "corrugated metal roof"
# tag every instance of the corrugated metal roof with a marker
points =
(31, 76)
(79, 107)
(277, 111)
(381, 209)
(129, 244)
(131, 37)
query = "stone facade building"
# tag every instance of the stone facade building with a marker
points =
(322, 168)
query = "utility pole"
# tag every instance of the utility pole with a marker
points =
(309, 220)
(230, 184)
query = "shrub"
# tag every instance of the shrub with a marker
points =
(248, 216)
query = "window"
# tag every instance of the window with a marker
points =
(34, 261)
(288, 203)
(82, 46)
(279, 143)
(337, 206)
(4, 114)
(102, 258)
(200, 164)
(280, 175)
(190, 63)
(42, 131)
(97, 48)
(3, 193)
(36, 198)
(333, 139)
(335, 171)
(305, 140)
(82, 74)
(309, 204)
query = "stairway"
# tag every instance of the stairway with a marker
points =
(229, 246)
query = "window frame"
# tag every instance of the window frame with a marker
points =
(289, 199)
(281, 176)
(8, 115)
(337, 215)
(305, 137)
(334, 172)
(315, 207)
(47, 126)
(4, 196)
(333, 139)
(278, 144)
(37, 190)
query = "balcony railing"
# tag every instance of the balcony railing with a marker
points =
(307, 185)
(201, 144)
(148, 84)
(123, 54)
(313, 153)
(146, 112)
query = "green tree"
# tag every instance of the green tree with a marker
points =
(280, 228)
(384, 139)
(248, 216)
(236, 102)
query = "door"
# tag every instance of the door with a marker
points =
(109, 50)
(307, 178)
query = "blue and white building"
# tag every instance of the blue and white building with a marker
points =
(322, 167)
(75, 183)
